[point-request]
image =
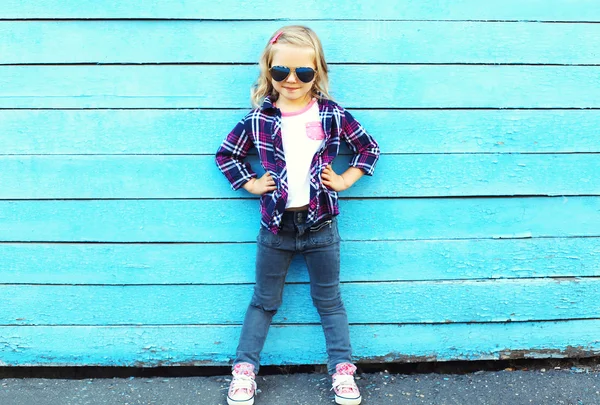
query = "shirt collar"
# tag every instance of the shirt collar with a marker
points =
(267, 104)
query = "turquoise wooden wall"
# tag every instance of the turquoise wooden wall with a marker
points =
(122, 245)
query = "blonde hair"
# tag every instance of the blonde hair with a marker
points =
(297, 35)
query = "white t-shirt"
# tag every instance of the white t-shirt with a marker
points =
(302, 135)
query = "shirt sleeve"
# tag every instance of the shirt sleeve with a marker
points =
(365, 148)
(230, 156)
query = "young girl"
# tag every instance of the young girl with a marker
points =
(296, 129)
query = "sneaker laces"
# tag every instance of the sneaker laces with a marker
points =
(344, 384)
(242, 382)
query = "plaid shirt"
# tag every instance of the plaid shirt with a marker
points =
(261, 128)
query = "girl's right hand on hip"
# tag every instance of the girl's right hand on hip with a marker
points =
(262, 185)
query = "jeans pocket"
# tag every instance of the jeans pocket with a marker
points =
(268, 238)
(323, 233)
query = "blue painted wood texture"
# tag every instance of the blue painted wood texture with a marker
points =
(215, 220)
(77, 177)
(403, 41)
(477, 238)
(415, 86)
(202, 263)
(397, 302)
(195, 131)
(535, 10)
(144, 346)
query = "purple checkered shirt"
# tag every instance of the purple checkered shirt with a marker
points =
(261, 128)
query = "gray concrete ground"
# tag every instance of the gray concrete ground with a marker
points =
(575, 385)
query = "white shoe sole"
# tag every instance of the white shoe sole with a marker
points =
(245, 402)
(347, 401)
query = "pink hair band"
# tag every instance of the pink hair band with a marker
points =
(276, 37)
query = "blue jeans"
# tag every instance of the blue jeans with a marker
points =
(320, 245)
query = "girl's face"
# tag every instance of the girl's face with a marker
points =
(292, 91)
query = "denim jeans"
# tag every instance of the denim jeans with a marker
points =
(320, 245)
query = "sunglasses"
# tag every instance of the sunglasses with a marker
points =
(304, 74)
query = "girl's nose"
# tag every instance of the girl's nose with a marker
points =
(291, 78)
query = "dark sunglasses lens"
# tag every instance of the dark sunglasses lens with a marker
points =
(305, 74)
(279, 73)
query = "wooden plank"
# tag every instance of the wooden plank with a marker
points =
(124, 264)
(381, 303)
(238, 220)
(202, 131)
(177, 86)
(397, 42)
(95, 177)
(147, 346)
(537, 10)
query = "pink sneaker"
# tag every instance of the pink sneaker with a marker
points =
(346, 391)
(243, 386)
